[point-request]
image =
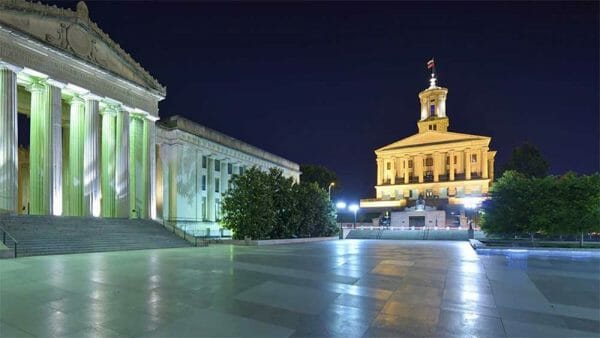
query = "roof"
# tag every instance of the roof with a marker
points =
(181, 123)
(429, 138)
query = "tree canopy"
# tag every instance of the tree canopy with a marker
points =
(267, 205)
(527, 160)
(318, 174)
(569, 204)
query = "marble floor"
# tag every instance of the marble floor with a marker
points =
(349, 288)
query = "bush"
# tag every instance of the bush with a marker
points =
(266, 205)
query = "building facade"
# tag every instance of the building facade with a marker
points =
(435, 165)
(195, 166)
(90, 110)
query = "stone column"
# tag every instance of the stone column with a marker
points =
(224, 177)
(418, 167)
(484, 162)
(406, 170)
(151, 165)
(9, 161)
(491, 169)
(40, 151)
(122, 164)
(393, 177)
(467, 164)
(379, 171)
(436, 167)
(56, 147)
(210, 188)
(452, 169)
(76, 142)
(108, 178)
(136, 168)
(91, 157)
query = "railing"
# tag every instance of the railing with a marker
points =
(195, 236)
(5, 234)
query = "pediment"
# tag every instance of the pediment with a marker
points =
(73, 32)
(432, 138)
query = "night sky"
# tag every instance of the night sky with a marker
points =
(328, 83)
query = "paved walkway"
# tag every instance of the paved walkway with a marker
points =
(350, 288)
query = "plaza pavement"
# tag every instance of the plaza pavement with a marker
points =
(349, 288)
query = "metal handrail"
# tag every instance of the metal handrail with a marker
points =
(4, 233)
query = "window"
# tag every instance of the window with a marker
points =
(389, 166)
(473, 158)
(435, 127)
(455, 159)
(429, 161)
(429, 193)
(229, 168)
(217, 165)
(410, 163)
(204, 162)
(204, 209)
(217, 184)
(203, 182)
(447, 160)
(430, 127)
(432, 110)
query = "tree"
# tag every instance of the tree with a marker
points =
(527, 160)
(506, 212)
(579, 211)
(249, 206)
(267, 205)
(318, 174)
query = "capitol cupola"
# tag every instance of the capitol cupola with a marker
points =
(433, 105)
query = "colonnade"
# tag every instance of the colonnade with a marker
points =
(400, 169)
(98, 163)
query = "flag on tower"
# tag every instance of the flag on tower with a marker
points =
(430, 64)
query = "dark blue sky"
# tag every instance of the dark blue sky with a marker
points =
(328, 83)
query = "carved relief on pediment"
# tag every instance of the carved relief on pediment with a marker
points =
(75, 33)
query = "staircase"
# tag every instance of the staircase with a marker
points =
(53, 235)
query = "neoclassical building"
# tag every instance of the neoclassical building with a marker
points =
(195, 165)
(89, 112)
(434, 165)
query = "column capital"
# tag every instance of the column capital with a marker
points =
(9, 66)
(55, 83)
(110, 110)
(92, 97)
(75, 99)
(36, 85)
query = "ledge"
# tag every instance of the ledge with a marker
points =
(278, 241)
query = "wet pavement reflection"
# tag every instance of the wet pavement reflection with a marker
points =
(349, 288)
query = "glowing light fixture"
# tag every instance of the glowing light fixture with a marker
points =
(340, 205)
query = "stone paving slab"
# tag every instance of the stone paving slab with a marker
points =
(349, 288)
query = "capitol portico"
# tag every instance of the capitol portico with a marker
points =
(91, 111)
(435, 165)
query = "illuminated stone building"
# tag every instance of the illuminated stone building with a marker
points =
(194, 169)
(435, 165)
(91, 112)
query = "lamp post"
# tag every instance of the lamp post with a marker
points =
(340, 206)
(354, 208)
(329, 191)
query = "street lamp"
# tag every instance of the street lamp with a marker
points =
(329, 189)
(340, 206)
(354, 208)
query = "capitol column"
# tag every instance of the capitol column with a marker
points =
(418, 166)
(436, 167)
(484, 162)
(379, 171)
(76, 132)
(8, 138)
(91, 158)
(452, 169)
(149, 161)
(56, 147)
(406, 170)
(393, 177)
(467, 164)
(122, 164)
(108, 155)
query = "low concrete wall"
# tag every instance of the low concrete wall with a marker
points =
(278, 241)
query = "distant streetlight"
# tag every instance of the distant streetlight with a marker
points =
(354, 208)
(340, 206)
(329, 189)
